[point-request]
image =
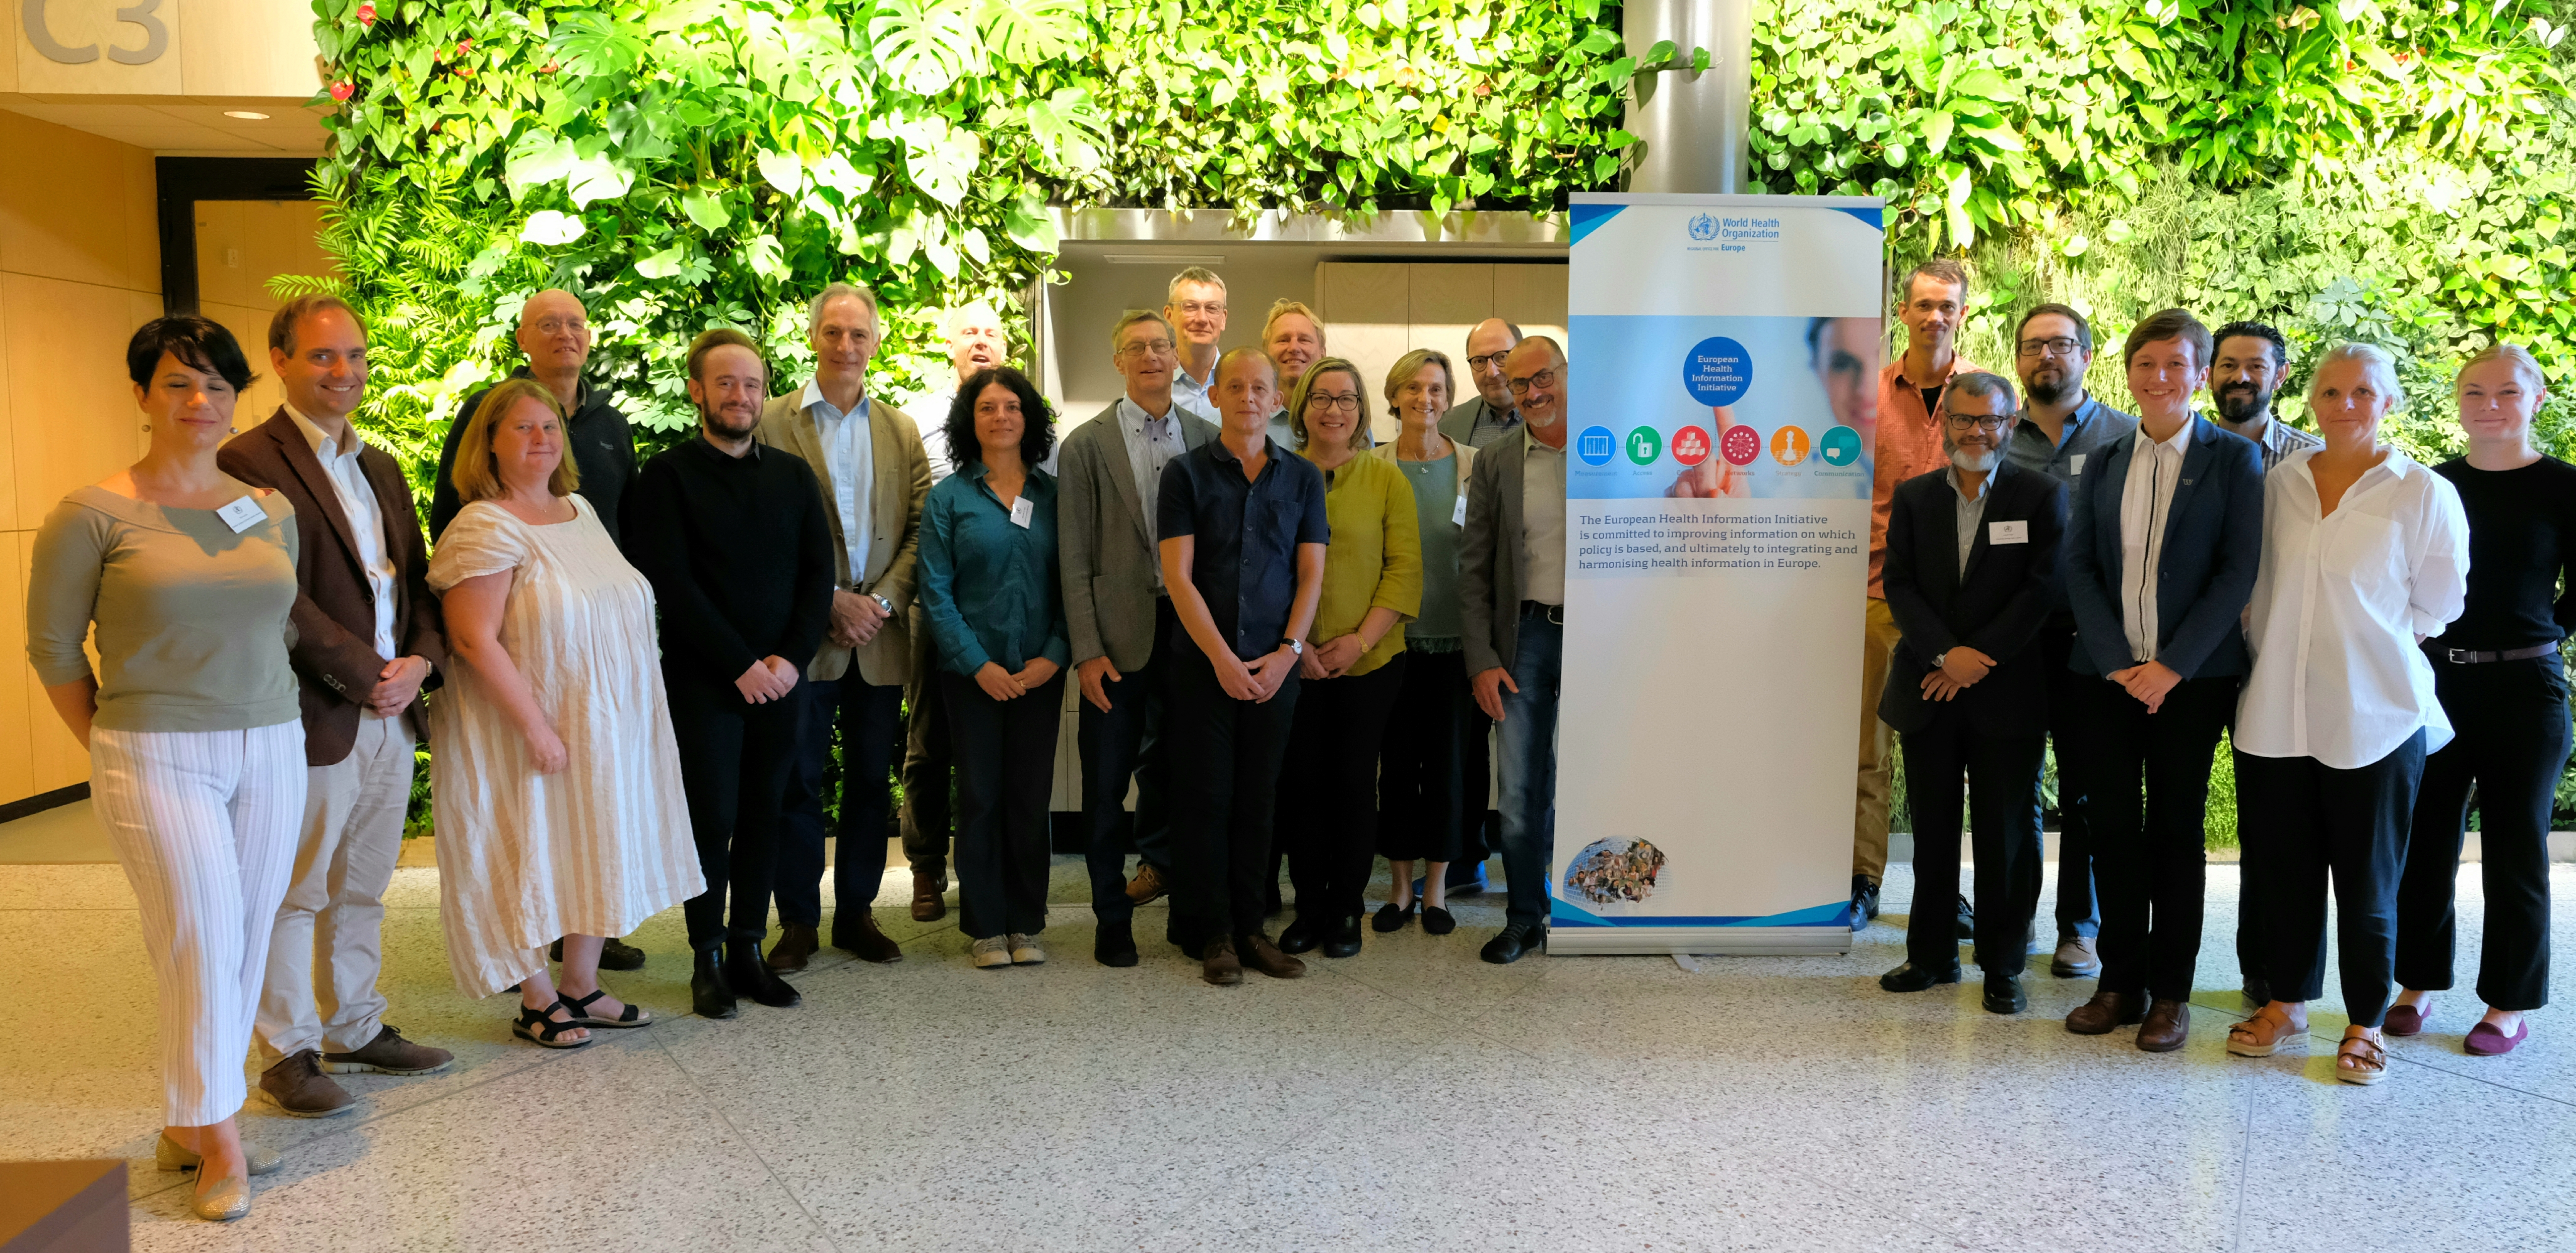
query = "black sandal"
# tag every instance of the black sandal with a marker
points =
(546, 1027)
(635, 1015)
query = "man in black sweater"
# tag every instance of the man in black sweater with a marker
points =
(734, 541)
(554, 332)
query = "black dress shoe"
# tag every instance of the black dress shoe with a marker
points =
(1344, 939)
(1437, 921)
(1391, 917)
(2004, 994)
(1517, 939)
(749, 975)
(1864, 900)
(1301, 936)
(1912, 978)
(1967, 920)
(709, 995)
(1115, 945)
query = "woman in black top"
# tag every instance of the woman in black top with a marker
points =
(2501, 681)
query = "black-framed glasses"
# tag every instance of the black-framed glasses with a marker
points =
(1544, 378)
(1490, 361)
(2060, 346)
(1991, 423)
(1347, 402)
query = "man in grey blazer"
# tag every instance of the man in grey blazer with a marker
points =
(868, 459)
(1486, 416)
(1511, 587)
(1111, 469)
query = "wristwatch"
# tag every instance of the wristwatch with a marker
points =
(882, 603)
(1296, 647)
(1938, 658)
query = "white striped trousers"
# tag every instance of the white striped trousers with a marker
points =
(205, 824)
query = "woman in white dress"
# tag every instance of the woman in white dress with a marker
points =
(555, 777)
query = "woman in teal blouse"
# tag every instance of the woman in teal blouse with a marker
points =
(989, 589)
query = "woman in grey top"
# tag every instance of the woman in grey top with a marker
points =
(196, 746)
(1426, 789)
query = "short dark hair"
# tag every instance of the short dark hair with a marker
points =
(1980, 383)
(722, 337)
(1938, 269)
(198, 343)
(1037, 434)
(2083, 329)
(2252, 330)
(2167, 324)
(282, 324)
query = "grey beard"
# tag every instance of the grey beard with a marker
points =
(1975, 463)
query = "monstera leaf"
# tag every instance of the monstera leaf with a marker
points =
(1026, 32)
(925, 45)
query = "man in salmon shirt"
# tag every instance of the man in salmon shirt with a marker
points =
(1932, 301)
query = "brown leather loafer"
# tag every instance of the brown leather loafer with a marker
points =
(1147, 885)
(299, 1089)
(1219, 965)
(2105, 1011)
(1262, 955)
(388, 1054)
(2168, 1024)
(796, 945)
(929, 897)
(856, 931)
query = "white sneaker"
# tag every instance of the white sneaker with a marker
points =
(992, 952)
(1025, 950)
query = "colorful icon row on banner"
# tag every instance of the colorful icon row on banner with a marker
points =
(1738, 445)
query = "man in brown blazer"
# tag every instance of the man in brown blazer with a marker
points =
(368, 639)
(868, 460)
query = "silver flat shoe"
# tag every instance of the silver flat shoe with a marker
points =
(261, 1157)
(227, 1200)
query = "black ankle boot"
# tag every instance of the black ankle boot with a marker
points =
(709, 994)
(751, 977)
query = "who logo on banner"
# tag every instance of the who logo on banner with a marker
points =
(1703, 228)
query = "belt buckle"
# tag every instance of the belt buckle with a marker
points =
(2457, 657)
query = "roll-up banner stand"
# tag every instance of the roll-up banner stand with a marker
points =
(1722, 400)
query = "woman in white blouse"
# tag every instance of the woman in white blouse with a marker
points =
(2365, 554)
(556, 778)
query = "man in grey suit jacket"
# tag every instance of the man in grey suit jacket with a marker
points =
(1121, 618)
(1490, 413)
(868, 459)
(1511, 588)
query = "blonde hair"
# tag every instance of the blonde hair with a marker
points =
(2375, 361)
(2524, 364)
(1411, 364)
(1131, 318)
(1282, 308)
(478, 471)
(1306, 385)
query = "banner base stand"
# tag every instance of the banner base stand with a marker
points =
(1718, 941)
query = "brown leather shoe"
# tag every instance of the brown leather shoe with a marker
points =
(1264, 956)
(796, 945)
(299, 1089)
(2105, 1011)
(929, 897)
(2168, 1024)
(388, 1054)
(1147, 885)
(1219, 965)
(856, 930)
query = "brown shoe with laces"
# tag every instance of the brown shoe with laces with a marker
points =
(388, 1054)
(2168, 1024)
(929, 897)
(1262, 955)
(856, 930)
(1219, 965)
(1147, 885)
(796, 945)
(299, 1089)
(2105, 1011)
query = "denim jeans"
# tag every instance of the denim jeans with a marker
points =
(1528, 765)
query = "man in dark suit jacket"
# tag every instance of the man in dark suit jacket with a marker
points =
(2160, 561)
(1970, 568)
(1490, 413)
(369, 638)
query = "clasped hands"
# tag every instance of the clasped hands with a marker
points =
(1001, 684)
(856, 619)
(396, 685)
(2149, 681)
(1959, 670)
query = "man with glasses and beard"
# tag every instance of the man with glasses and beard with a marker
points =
(733, 538)
(2060, 430)
(1970, 568)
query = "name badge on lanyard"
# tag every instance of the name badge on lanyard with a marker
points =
(242, 514)
(1458, 515)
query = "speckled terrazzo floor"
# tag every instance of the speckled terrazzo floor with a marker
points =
(1410, 1097)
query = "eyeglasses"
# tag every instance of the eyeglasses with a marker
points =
(1146, 347)
(1490, 361)
(2062, 346)
(1188, 307)
(1544, 378)
(1347, 402)
(1992, 424)
(557, 326)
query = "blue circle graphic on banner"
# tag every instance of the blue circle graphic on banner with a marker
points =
(1718, 371)
(1596, 445)
(1840, 446)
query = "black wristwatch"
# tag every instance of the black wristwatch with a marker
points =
(1296, 647)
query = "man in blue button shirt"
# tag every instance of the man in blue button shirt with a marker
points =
(1242, 535)
(2061, 430)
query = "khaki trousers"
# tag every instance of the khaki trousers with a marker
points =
(320, 990)
(1877, 745)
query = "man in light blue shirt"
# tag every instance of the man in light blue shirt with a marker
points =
(1194, 307)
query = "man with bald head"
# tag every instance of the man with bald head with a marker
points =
(1484, 417)
(554, 333)
(976, 341)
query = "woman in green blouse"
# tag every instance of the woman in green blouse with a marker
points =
(196, 743)
(996, 611)
(1353, 667)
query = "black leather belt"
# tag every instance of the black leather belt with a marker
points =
(1540, 609)
(2463, 657)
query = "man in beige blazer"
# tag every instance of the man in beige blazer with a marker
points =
(868, 460)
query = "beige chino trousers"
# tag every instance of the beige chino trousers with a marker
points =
(320, 990)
